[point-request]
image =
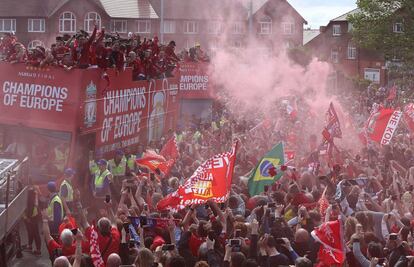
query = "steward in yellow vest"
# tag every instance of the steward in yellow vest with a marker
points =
(102, 179)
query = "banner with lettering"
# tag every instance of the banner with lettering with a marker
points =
(128, 112)
(194, 81)
(38, 97)
(382, 125)
(211, 180)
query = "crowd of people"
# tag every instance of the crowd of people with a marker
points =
(148, 58)
(109, 216)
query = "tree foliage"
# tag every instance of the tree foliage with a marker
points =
(374, 28)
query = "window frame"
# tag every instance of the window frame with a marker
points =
(237, 27)
(87, 21)
(266, 22)
(12, 25)
(124, 23)
(62, 21)
(217, 29)
(171, 24)
(352, 51)
(372, 70)
(338, 31)
(30, 23)
(194, 23)
(399, 29)
(147, 26)
(291, 27)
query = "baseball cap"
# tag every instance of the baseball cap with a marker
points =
(51, 186)
(102, 162)
(69, 172)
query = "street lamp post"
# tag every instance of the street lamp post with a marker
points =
(162, 22)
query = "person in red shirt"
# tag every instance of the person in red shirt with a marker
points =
(82, 49)
(109, 238)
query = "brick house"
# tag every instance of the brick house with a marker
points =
(334, 44)
(38, 22)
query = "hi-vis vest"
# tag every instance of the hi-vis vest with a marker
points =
(100, 178)
(131, 162)
(93, 167)
(120, 169)
(69, 198)
(60, 159)
(55, 199)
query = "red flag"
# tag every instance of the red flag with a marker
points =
(211, 180)
(382, 124)
(323, 203)
(170, 149)
(333, 127)
(153, 161)
(409, 116)
(94, 249)
(329, 235)
(392, 93)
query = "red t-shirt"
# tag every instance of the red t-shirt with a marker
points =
(103, 242)
(195, 243)
(52, 245)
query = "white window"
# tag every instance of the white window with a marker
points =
(214, 27)
(372, 75)
(169, 26)
(143, 26)
(398, 27)
(265, 25)
(352, 51)
(7, 25)
(336, 30)
(33, 44)
(190, 27)
(67, 22)
(237, 27)
(288, 28)
(350, 27)
(119, 26)
(334, 56)
(91, 19)
(36, 25)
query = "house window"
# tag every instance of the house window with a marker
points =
(288, 28)
(190, 27)
(372, 75)
(398, 27)
(67, 22)
(214, 27)
(91, 19)
(237, 28)
(144, 26)
(36, 25)
(33, 44)
(352, 51)
(7, 25)
(336, 30)
(350, 27)
(169, 26)
(334, 56)
(265, 25)
(119, 26)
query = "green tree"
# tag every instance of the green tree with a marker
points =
(387, 26)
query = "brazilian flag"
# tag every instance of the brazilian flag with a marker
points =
(261, 176)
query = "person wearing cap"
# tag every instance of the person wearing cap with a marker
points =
(130, 159)
(66, 187)
(103, 178)
(55, 210)
(118, 166)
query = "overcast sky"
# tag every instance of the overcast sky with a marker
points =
(320, 12)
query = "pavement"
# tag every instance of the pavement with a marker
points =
(30, 260)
